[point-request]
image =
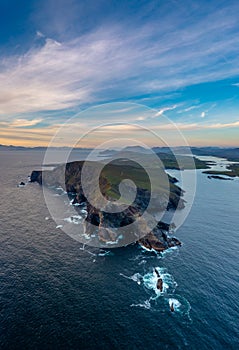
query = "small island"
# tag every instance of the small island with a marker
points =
(232, 171)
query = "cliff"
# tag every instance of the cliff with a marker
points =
(69, 177)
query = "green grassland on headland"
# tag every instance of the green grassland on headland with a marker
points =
(168, 160)
(182, 162)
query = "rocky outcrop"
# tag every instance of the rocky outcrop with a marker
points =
(36, 176)
(159, 240)
(160, 284)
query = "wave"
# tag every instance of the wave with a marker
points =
(181, 305)
(150, 281)
(137, 277)
(146, 305)
(74, 219)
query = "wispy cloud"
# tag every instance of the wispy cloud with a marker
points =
(19, 123)
(188, 109)
(117, 62)
(40, 34)
(163, 110)
(198, 126)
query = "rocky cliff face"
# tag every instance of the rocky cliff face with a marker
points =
(69, 178)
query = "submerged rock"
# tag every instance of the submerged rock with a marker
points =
(21, 184)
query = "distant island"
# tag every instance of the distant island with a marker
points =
(233, 171)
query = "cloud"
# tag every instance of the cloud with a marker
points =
(197, 126)
(163, 110)
(40, 34)
(19, 123)
(203, 114)
(117, 62)
(222, 126)
(188, 109)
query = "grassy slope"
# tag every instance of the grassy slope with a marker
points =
(111, 176)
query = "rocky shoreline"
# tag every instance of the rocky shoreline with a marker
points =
(69, 177)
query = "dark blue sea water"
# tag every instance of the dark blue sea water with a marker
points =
(54, 295)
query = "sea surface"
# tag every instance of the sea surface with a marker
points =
(57, 294)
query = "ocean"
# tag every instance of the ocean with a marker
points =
(57, 294)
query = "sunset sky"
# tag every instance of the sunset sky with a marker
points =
(60, 57)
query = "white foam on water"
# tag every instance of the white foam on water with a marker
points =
(150, 281)
(136, 277)
(61, 190)
(74, 219)
(87, 251)
(116, 241)
(86, 236)
(84, 211)
(59, 226)
(169, 251)
(146, 305)
(162, 254)
(142, 262)
(144, 249)
(175, 302)
(180, 304)
(105, 253)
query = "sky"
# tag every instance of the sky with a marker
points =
(60, 57)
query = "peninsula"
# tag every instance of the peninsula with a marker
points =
(69, 177)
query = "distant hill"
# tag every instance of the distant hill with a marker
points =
(231, 154)
(38, 148)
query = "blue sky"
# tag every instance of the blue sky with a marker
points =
(60, 57)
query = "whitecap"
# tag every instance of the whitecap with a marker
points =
(105, 253)
(175, 302)
(181, 305)
(74, 219)
(136, 277)
(146, 305)
(59, 226)
(150, 281)
(169, 251)
(142, 262)
(116, 241)
(144, 249)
